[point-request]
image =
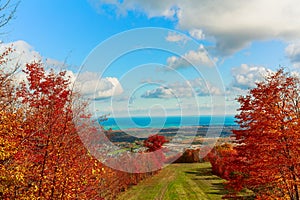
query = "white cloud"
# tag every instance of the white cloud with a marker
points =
(22, 54)
(191, 58)
(189, 88)
(90, 85)
(293, 53)
(166, 8)
(159, 93)
(234, 24)
(175, 37)
(204, 88)
(295, 74)
(245, 76)
(55, 63)
(197, 34)
(150, 80)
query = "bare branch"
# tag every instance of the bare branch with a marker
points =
(7, 11)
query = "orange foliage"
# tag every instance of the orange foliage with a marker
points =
(41, 153)
(268, 147)
(155, 142)
(219, 157)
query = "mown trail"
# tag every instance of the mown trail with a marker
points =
(179, 181)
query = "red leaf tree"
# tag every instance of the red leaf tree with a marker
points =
(155, 142)
(41, 153)
(268, 143)
(219, 156)
(58, 165)
(11, 131)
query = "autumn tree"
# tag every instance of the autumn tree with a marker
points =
(42, 155)
(11, 174)
(58, 166)
(155, 142)
(268, 141)
(11, 119)
(218, 157)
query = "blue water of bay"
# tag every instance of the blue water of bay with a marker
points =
(122, 123)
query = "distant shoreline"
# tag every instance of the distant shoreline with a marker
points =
(133, 134)
(126, 123)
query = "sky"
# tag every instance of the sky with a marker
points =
(159, 58)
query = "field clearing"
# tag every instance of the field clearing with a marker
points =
(179, 181)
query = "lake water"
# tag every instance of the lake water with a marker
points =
(167, 122)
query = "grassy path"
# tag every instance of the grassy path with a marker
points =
(179, 181)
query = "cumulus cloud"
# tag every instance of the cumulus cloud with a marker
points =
(55, 63)
(192, 58)
(22, 54)
(166, 8)
(89, 82)
(150, 80)
(159, 93)
(245, 76)
(189, 88)
(296, 74)
(197, 34)
(90, 85)
(204, 88)
(293, 53)
(175, 37)
(234, 24)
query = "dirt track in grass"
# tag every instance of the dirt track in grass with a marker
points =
(179, 181)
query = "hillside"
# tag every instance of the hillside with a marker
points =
(179, 181)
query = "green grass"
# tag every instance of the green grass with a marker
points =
(179, 181)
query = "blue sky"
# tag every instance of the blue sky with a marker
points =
(232, 44)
